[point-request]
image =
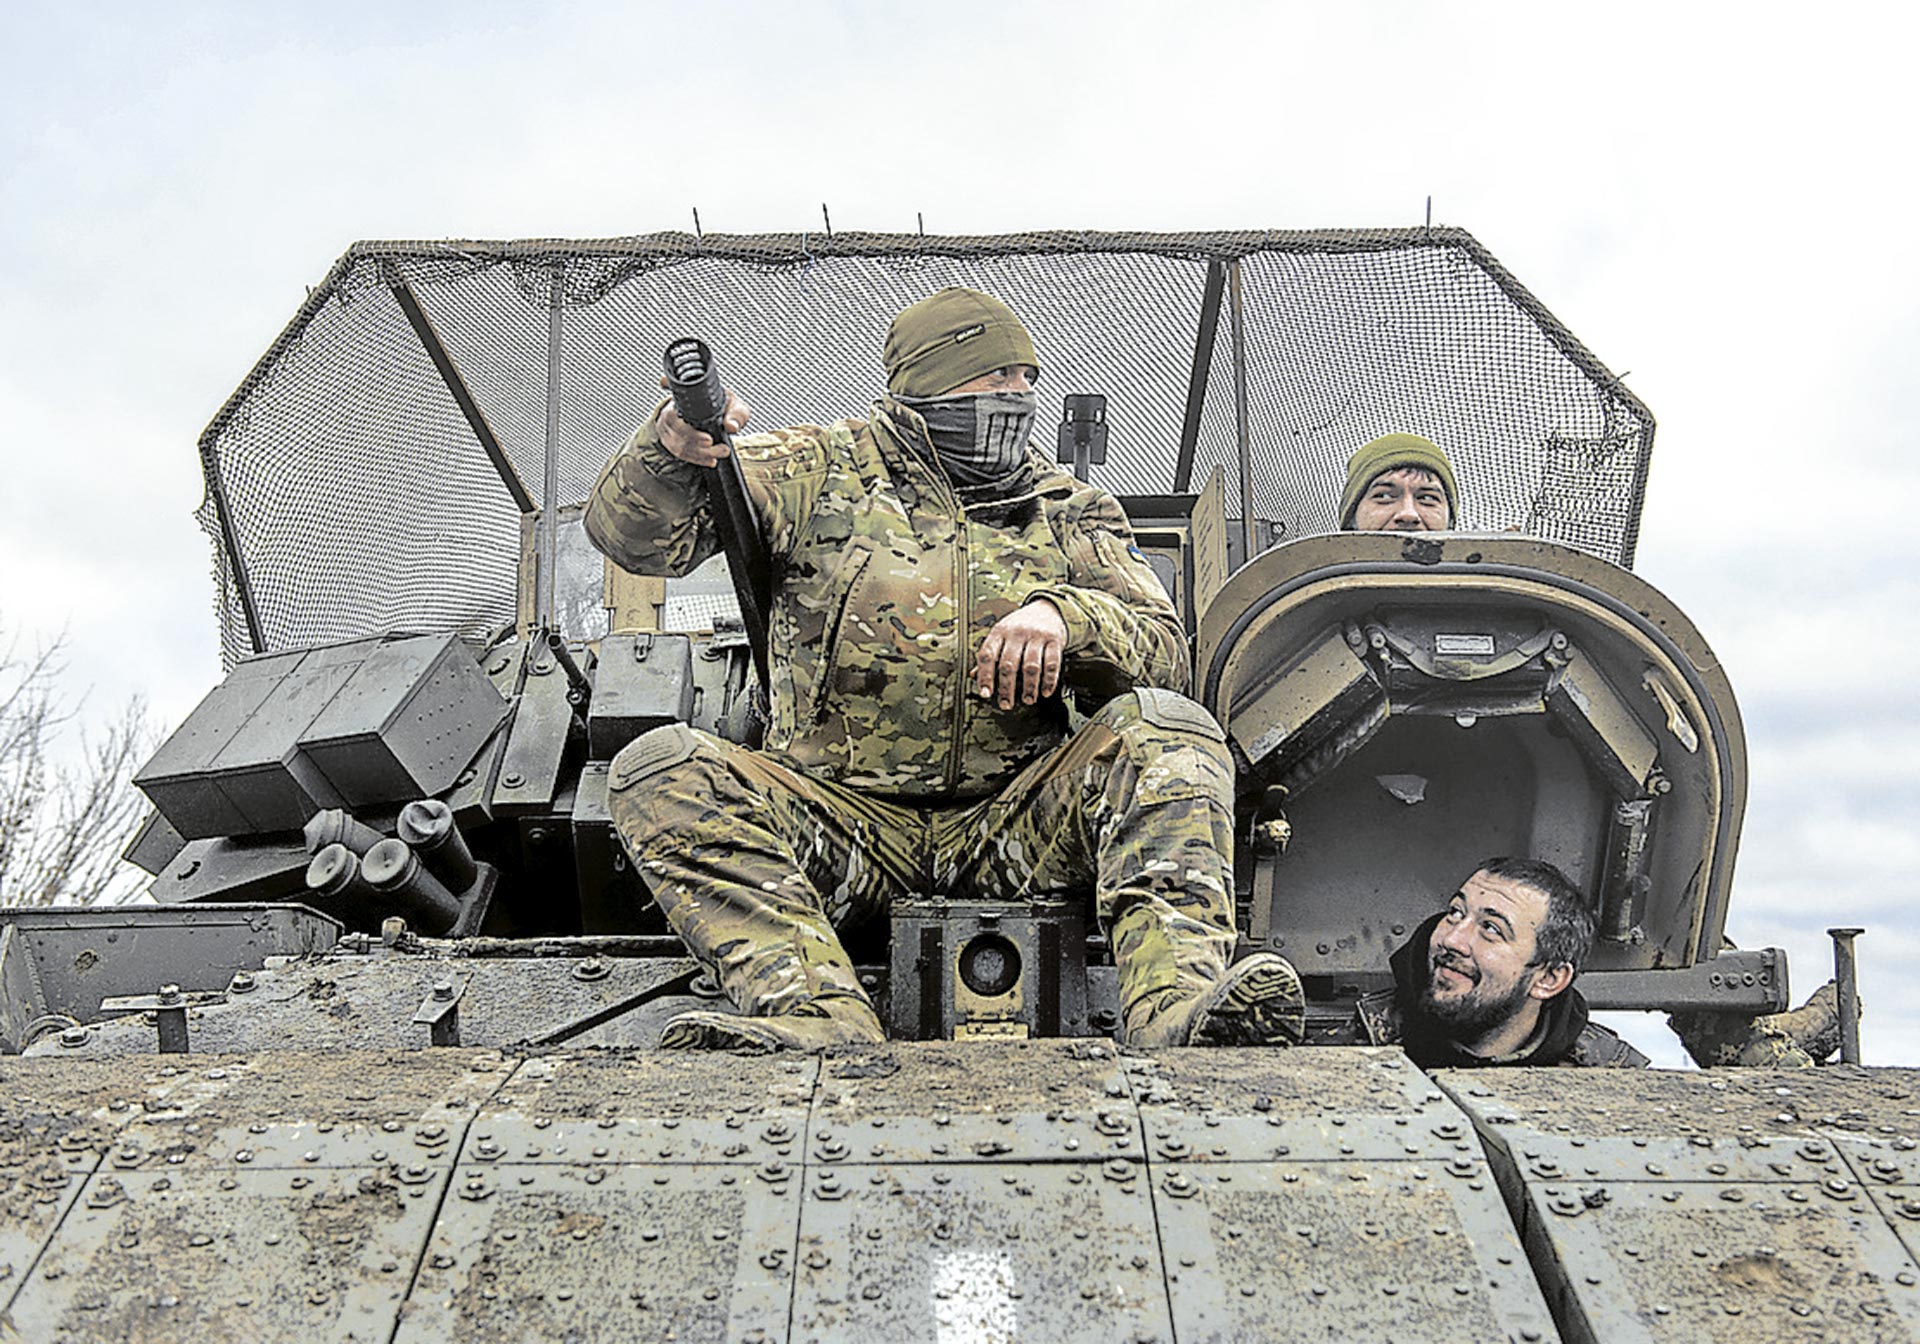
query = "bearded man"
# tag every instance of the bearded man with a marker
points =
(1489, 980)
(939, 588)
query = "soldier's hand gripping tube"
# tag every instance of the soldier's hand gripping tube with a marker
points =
(702, 403)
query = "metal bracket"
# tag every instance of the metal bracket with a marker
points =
(439, 1012)
(169, 1008)
(1749, 980)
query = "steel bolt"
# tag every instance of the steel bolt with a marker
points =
(242, 983)
(73, 1037)
(169, 994)
(443, 990)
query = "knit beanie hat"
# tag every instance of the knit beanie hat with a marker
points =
(950, 338)
(1390, 452)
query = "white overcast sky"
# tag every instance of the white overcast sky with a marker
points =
(1717, 199)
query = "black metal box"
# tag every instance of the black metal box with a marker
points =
(643, 680)
(261, 769)
(180, 779)
(404, 725)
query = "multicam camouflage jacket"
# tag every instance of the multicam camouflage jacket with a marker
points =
(885, 586)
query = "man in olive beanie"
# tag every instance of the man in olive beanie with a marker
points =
(1399, 482)
(940, 590)
(940, 342)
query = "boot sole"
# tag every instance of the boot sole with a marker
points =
(718, 1031)
(706, 1030)
(1259, 1003)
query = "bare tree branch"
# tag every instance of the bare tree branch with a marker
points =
(63, 827)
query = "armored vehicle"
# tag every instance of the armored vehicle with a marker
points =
(377, 1062)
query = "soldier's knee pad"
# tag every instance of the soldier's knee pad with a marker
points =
(647, 755)
(1161, 714)
(637, 772)
(1165, 729)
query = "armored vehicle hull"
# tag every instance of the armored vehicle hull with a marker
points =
(379, 1060)
(928, 1191)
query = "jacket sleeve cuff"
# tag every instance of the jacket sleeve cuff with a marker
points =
(1079, 624)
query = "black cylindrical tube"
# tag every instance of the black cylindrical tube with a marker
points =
(582, 688)
(695, 384)
(334, 872)
(335, 826)
(396, 873)
(334, 878)
(429, 829)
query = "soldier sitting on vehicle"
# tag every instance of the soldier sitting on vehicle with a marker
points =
(938, 586)
(1399, 483)
(1489, 980)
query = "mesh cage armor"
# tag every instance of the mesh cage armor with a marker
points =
(372, 471)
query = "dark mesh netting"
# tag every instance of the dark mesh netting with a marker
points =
(375, 470)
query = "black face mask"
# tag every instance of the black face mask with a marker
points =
(979, 437)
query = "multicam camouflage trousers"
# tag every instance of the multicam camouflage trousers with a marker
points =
(755, 864)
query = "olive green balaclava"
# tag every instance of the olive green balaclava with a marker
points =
(1390, 452)
(950, 337)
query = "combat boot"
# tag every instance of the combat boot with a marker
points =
(1258, 1001)
(811, 1026)
(1794, 1040)
(1815, 1025)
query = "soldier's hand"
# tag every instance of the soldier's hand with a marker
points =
(1022, 655)
(693, 445)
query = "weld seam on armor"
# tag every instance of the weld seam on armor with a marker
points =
(650, 753)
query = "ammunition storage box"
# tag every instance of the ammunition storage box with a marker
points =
(181, 779)
(644, 679)
(371, 721)
(412, 715)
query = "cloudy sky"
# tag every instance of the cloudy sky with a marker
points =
(1710, 197)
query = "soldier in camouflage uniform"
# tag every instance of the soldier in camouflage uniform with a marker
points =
(1489, 980)
(939, 587)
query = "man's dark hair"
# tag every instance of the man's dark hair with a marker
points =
(1566, 934)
